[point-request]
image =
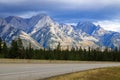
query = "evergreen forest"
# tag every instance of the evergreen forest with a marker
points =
(17, 51)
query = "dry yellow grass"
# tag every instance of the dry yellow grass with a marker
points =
(32, 61)
(46, 61)
(112, 73)
(41, 61)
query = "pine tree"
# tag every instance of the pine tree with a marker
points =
(20, 44)
(5, 50)
(1, 55)
(0, 45)
(14, 49)
(20, 48)
(30, 52)
(58, 46)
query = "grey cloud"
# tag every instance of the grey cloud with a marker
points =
(62, 8)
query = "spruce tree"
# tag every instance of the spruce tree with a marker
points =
(5, 50)
(0, 45)
(58, 47)
(20, 48)
(30, 52)
(14, 49)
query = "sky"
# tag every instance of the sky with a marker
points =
(103, 12)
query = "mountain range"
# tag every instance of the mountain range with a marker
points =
(43, 32)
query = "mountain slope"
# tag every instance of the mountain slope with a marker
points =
(8, 33)
(105, 38)
(27, 40)
(42, 31)
(48, 34)
(2, 22)
(18, 22)
(87, 27)
(81, 38)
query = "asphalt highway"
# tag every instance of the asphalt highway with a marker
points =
(41, 71)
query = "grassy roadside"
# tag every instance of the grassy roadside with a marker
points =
(41, 61)
(36, 61)
(48, 61)
(111, 73)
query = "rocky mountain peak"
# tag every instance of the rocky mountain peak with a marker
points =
(87, 27)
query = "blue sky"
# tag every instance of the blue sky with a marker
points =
(103, 12)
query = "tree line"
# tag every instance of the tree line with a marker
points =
(17, 51)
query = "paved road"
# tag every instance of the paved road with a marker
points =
(40, 71)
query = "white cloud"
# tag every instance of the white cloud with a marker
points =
(32, 13)
(74, 24)
(113, 25)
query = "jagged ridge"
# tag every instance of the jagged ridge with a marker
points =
(41, 30)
